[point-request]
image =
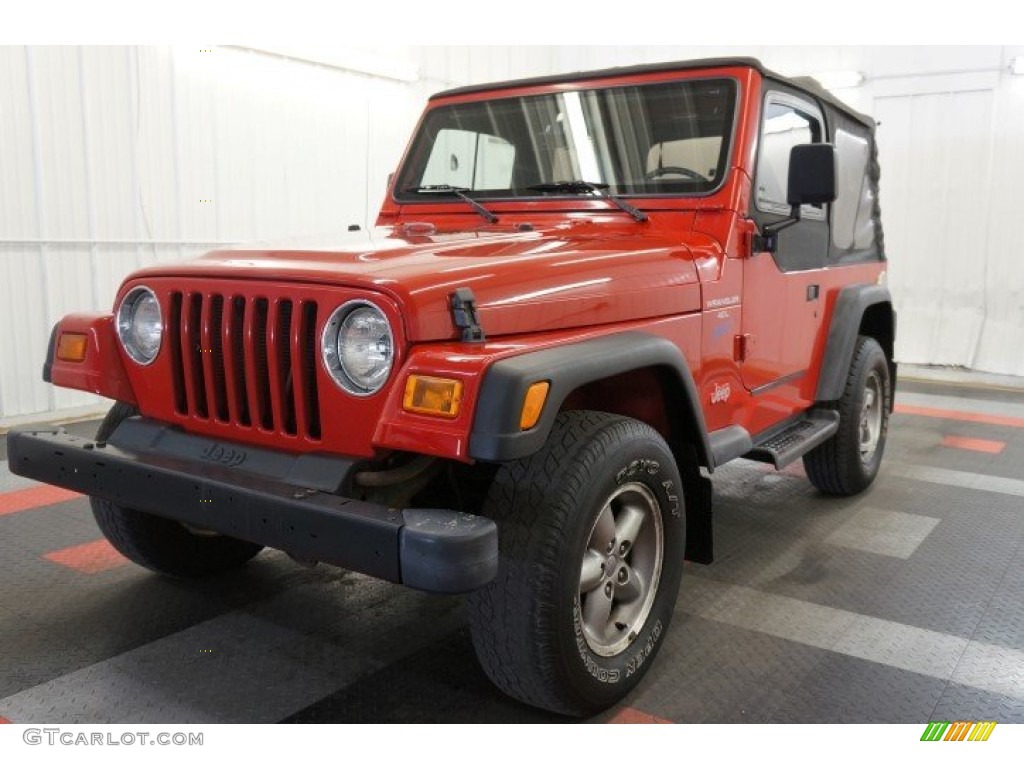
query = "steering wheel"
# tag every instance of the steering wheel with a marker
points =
(662, 170)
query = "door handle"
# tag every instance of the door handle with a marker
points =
(813, 292)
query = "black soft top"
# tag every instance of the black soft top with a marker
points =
(806, 84)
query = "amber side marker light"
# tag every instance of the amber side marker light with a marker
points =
(71, 347)
(433, 396)
(533, 404)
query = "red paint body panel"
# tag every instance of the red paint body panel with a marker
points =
(347, 422)
(103, 370)
(581, 269)
(401, 430)
(586, 271)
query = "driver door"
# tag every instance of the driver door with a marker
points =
(783, 298)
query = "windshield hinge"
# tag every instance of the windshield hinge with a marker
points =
(768, 240)
(464, 315)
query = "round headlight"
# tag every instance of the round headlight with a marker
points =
(358, 347)
(139, 325)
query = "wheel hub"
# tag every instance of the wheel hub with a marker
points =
(871, 416)
(621, 568)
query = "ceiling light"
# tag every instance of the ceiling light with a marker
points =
(837, 80)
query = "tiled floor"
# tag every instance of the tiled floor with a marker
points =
(905, 604)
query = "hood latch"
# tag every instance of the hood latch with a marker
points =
(464, 315)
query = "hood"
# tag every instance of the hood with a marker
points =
(567, 276)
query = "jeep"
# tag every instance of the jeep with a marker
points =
(583, 294)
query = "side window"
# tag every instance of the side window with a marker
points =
(471, 160)
(852, 225)
(786, 123)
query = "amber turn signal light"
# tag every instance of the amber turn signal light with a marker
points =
(433, 396)
(71, 347)
(533, 404)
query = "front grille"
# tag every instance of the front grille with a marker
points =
(246, 361)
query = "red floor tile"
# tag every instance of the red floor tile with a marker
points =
(973, 444)
(631, 716)
(36, 496)
(92, 557)
(977, 418)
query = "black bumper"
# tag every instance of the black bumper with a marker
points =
(430, 549)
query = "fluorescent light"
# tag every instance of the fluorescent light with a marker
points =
(836, 80)
(1017, 66)
(363, 62)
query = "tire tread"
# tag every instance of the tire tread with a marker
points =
(831, 466)
(159, 544)
(512, 633)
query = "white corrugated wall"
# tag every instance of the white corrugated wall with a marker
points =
(113, 158)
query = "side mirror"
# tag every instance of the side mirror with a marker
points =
(812, 175)
(812, 181)
(391, 178)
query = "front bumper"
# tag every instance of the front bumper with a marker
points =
(188, 479)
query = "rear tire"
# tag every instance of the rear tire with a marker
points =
(848, 462)
(556, 629)
(161, 545)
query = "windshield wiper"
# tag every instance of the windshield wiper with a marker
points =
(459, 192)
(601, 190)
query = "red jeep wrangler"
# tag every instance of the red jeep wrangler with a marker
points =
(583, 294)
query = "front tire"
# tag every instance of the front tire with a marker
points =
(161, 545)
(592, 537)
(848, 462)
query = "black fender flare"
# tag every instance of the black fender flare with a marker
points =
(51, 352)
(851, 304)
(496, 435)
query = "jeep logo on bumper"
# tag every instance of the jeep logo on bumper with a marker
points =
(220, 454)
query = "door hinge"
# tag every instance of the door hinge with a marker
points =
(464, 316)
(741, 346)
(763, 243)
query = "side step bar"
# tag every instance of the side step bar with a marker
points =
(789, 444)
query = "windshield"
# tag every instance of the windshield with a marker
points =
(655, 139)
